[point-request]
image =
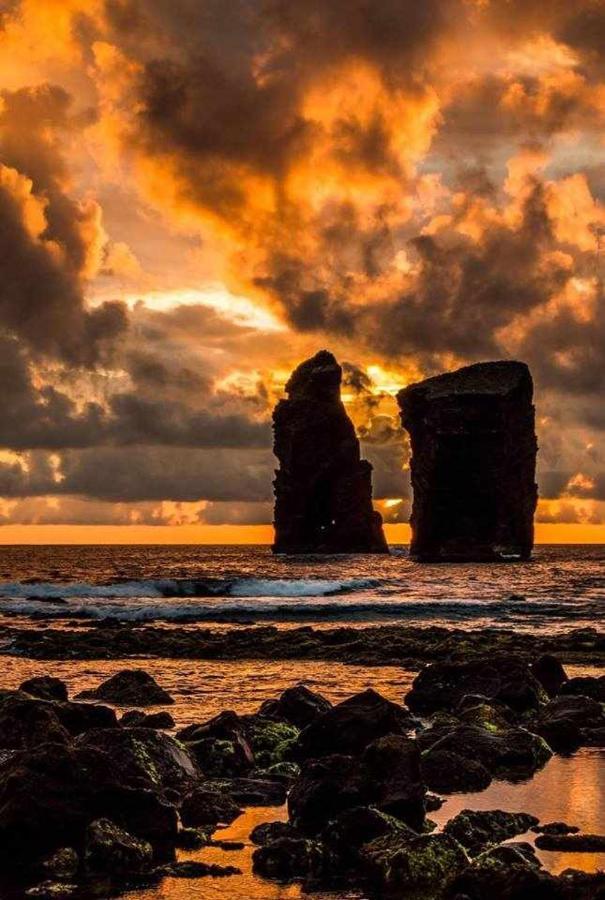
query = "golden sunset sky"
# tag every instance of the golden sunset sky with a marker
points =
(195, 195)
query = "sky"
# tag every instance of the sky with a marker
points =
(195, 195)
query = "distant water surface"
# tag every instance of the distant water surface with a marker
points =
(563, 587)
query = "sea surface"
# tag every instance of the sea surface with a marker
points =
(563, 587)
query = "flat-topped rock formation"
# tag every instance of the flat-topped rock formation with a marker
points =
(473, 463)
(323, 489)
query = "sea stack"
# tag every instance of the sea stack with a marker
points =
(473, 463)
(323, 489)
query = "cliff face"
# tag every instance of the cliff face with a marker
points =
(323, 490)
(473, 463)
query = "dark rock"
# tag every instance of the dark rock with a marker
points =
(500, 677)
(549, 671)
(48, 796)
(325, 788)
(27, 722)
(473, 463)
(449, 773)
(555, 828)
(193, 838)
(63, 864)
(323, 489)
(267, 832)
(565, 721)
(586, 686)
(220, 745)
(510, 755)
(433, 802)
(111, 850)
(194, 869)
(271, 741)
(130, 687)
(573, 843)
(344, 836)
(508, 872)
(297, 705)
(287, 859)
(134, 718)
(45, 688)
(81, 717)
(350, 726)
(404, 864)
(205, 806)
(145, 757)
(391, 768)
(254, 791)
(479, 830)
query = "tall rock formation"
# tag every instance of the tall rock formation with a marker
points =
(473, 463)
(323, 489)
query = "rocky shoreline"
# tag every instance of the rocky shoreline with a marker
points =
(91, 805)
(410, 647)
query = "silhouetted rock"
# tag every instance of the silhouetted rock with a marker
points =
(130, 687)
(478, 830)
(351, 725)
(502, 677)
(134, 718)
(297, 705)
(550, 673)
(473, 463)
(323, 489)
(45, 687)
(109, 849)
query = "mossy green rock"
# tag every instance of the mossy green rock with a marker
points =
(417, 867)
(271, 741)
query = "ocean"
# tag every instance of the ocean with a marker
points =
(561, 589)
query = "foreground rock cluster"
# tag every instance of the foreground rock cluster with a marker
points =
(473, 463)
(323, 489)
(91, 805)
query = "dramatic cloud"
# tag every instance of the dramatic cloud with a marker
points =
(414, 185)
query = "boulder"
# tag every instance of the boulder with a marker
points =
(112, 851)
(325, 788)
(129, 687)
(271, 741)
(267, 832)
(503, 678)
(53, 890)
(81, 717)
(449, 773)
(479, 830)
(549, 671)
(287, 859)
(190, 868)
(350, 726)
(63, 864)
(323, 489)
(48, 797)
(572, 843)
(473, 463)
(220, 745)
(586, 686)
(296, 705)
(566, 721)
(510, 755)
(418, 867)
(26, 722)
(45, 688)
(205, 806)
(391, 769)
(134, 718)
(509, 872)
(253, 791)
(148, 758)
(344, 836)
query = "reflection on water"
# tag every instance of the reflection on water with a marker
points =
(203, 688)
(245, 886)
(569, 789)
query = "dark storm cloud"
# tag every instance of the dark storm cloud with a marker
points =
(45, 236)
(136, 474)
